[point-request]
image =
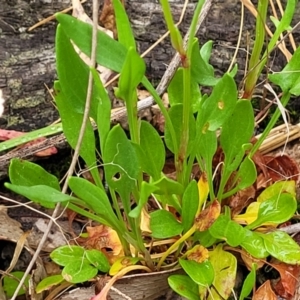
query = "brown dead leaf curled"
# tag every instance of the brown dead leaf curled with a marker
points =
(286, 286)
(207, 217)
(105, 239)
(265, 292)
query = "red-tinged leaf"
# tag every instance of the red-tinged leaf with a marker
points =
(265, 292)
(240, 200)
(208, 216)
(260, 163)
(11, 134)
(287, 284)
(282, 167)
(47, 152)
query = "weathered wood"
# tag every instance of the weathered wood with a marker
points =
(27, 59)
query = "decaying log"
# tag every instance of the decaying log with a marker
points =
(27, 59)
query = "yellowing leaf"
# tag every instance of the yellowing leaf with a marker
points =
(122, 263)
(203, 189)
(249, 216)
(278, 188)
(225, 265)
(198, 254)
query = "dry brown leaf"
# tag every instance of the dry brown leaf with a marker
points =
(105, 239)
(265, 292)
(207, 217)
(240, 200)
(286, 286)
(249, 260)
(107, 17)
(282, 167)
(198, 253)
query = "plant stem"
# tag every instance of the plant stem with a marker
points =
(284, 101)
(175, 245)
(186, 63)
(254, 63)
(132, 118)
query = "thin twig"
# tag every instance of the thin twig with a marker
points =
(77, 148)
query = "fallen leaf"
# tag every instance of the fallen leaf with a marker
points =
(240, 200)
(105, 239)
(282, 167)
(145, 221)
(249, 260)
(208, 216)
(286, 286)
(265, 292)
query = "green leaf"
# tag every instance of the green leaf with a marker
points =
(25, 173)
(225, 266)
(152, 150)
(48, 282)
(125, 34)
(201, 273)
(288, 78)
(201, 70)
(42, 194)
(219, 106)
(110, 53)
(78, 272)
(246, 174)
(237, 131)
(65, 254)
(98, 260)
(10, 284)
(278, 188)
(281, 246)
(73, 75)
(71, 121)
(184, 286)
(146, 190)
(206, 148)
(70, 98)
(190, 203)
(176, 115)
(175, 91)
(164, 225)
(104, 109)
(254, 244)
(205, 52)
(131, 75)
(277, 209)
(204, 238)
(96, 199)
(225, 229)
(120, 161)
(168, 188)
(249, 283)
